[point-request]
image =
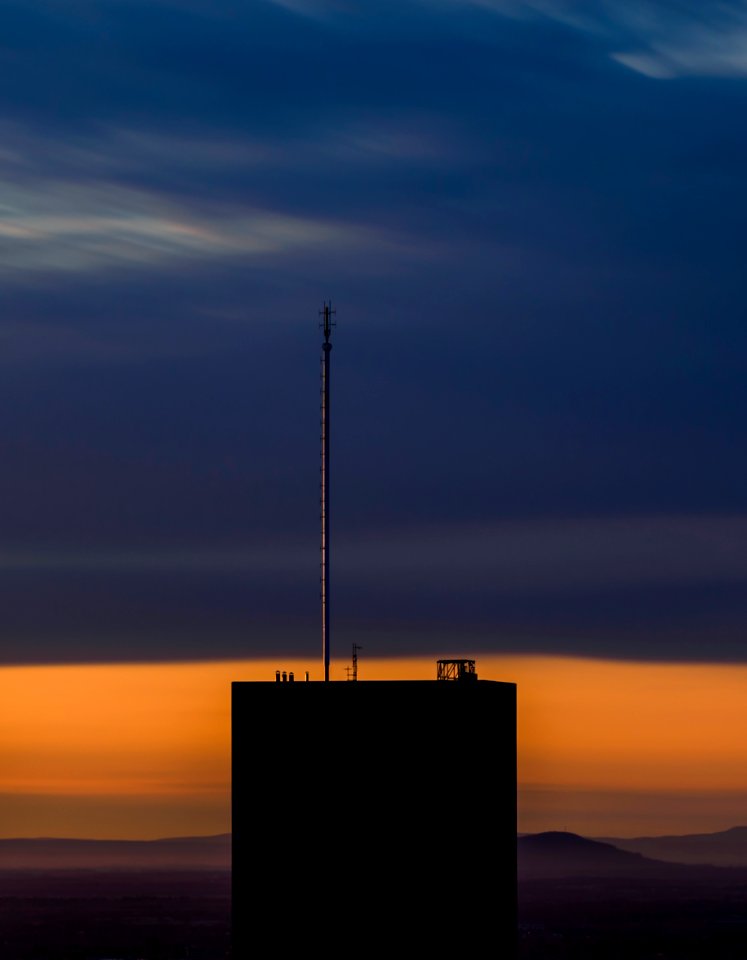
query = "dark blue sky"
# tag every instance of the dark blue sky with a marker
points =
(530, 219)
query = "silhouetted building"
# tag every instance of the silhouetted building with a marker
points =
(375, 817)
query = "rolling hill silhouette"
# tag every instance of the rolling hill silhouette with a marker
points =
(174, 853)
(558, 854)
(726, 848)
(549, 854)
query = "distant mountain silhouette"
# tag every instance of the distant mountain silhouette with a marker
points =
(727, 848)
(560, 854)
(172, 853)
(550, 854)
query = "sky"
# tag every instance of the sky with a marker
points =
(528, 217)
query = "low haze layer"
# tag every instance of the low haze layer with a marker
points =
(143, 751)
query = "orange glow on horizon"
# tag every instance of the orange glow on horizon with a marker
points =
(158, 735)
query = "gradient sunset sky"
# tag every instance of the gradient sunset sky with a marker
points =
(529, 216)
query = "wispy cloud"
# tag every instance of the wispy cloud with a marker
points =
(659, 39)
(126, 197)
(521, 556)
(263, 559)
(555, 556)
(717, 49)
(59, 226)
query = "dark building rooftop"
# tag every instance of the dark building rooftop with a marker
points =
(376, 814)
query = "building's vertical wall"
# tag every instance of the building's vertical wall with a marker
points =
(376, 815)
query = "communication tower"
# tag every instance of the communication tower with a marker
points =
(326, 324)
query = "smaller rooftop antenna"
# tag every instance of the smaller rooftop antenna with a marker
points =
(356, 648)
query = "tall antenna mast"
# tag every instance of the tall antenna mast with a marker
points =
(326, 324)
